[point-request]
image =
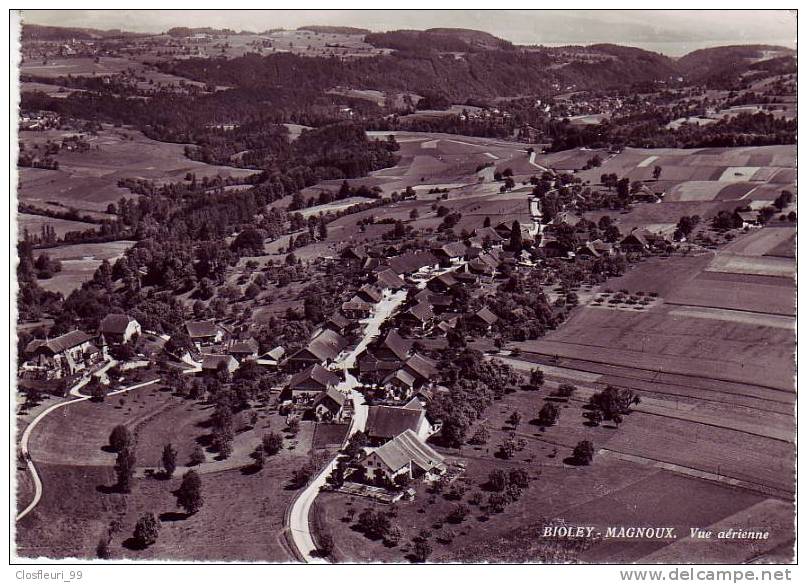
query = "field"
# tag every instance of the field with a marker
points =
(88, 180)
(34, 224)
(79, 262)
(68, 448)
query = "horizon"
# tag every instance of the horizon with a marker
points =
(654, 30)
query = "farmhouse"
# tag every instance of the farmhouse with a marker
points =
(635, 241)
(320, 350)
(422, 368)
(204, 333)
(244, 349)
(442, 283)
(212, 364)
(369, 294)
(389, 280)
(313, 380)
(410, 263)
(748, 218)
(449, 252)
(271, 358)
(328, 406)
(399, 384)
(60, 357)
(353, 254)
(118, 328)
(482, 320)
(357, 308)
(386, 422)
(406, 455)
(419, 316)
(339, 324)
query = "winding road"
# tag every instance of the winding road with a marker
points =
(298, 516)
(26, 434)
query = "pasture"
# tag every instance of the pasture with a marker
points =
(34, 224)
(79, 262)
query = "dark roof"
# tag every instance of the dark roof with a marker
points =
(389, 421)
(636, 236)
(201, 328)
(395, 343)
(389, 279)
(421, 311)
(354, 253)
(316, 373)
(59, 344)
(425, 368)
(455, 249)
(748, 216)
(246, 346)
(447, 279)
(356, 304)
(327, 345)
(371, 292)
(115, 323)
(275, 354)
(412, 262)
(338, 321)
(401, 375)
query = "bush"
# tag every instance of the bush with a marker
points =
(120, 438)
(146, 530)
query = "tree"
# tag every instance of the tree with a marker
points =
(414, 214)
(394, 536)
(536, 379)
(189, 494)
(146, 530)
(458, 513)
(125, 469)
(272, 443)
(548, 415)
(421, 551)
(498, 480)
(325, 544)
(519, 477)
(169, 460)
(656, 172)
(583, 453)
(516, 243)
(197, 456)
(119, 438)
(514, 419)
(565, 390)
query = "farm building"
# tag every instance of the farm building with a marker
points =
(483, 319)
(60, 357)
(212, 364)
(422, 368)
(411, 263)
(204, 333)
(118, 328)
(635, 241)
(329, 405)
(407, 454)
(386, 422)
(312, 381)
(370, 294)
(419, 316)
(748, 218)
(353, 254)
(339, 324)
(389, 280)
(271, 358)
(244, 349)
(449, 252)
(442, 283)
(320, 350)
(357, 308)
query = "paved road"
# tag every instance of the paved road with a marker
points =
(298, 517)
(26, 435)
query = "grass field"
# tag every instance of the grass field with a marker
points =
(34, 224)
(79, 262)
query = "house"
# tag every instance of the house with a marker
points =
(244, 349)
(442, 283)
(204, 333)
(357, 309)
(339, 324)
(448, 323)
(603, 248)
(118, 328)
(320, 350)
(353, 254)
(421, 368)
(439, 302)
(386, 422)
(482, 320)
(212, 364)
(487, 237)
(271, 358)
(587, 250)
(419, 316)
(389, 280)
(635, 241)
(370, 294)
(328, 406)
(748, 218)
(406, 455)
(65, 355)
(410, 263)
(449, 253)
(392, 348)
(400, 383)
(313, 380)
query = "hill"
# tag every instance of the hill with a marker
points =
(36, 32)
(727, 63)
(323, 29)
(454, 40)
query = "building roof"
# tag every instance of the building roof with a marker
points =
(331, 395)
(455, 249)
(59, 344)
(316, 373)
(371, 292)
(401, 375)
(395, 343)
(338, 320)
(748, 216)
(408, 448)
(447, 279)
(213, 362)
(412, 262)
(356, 303)
(389, 279)
(249, 346)
(275, 354)
(201, 328)
(486, 315)
(422, 311)
(389, 421)
(637, 236)
(327, 345)
(425, 368)
(115, 324)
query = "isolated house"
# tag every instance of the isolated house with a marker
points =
(635, 241)
(60, 357)
(118, 328)
(407, 454)
(748, 218)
